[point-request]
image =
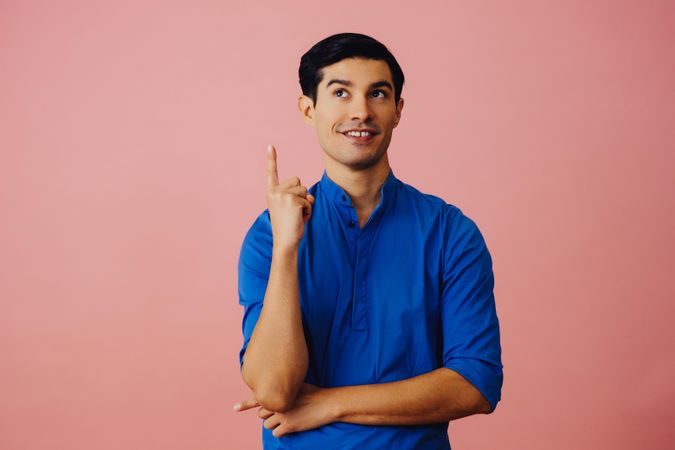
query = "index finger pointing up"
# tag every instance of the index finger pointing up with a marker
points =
(272, 175)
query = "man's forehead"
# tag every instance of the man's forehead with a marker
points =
(356, 71)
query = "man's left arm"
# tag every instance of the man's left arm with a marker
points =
(434, 397)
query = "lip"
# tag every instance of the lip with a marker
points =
(371, 130)
(360, 139)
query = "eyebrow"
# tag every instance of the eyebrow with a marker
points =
(377, 84)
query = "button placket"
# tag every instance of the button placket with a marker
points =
(360, 298)
(360, 239)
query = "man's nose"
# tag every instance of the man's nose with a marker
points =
(360, 109)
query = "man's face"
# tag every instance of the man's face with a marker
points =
(355, 93)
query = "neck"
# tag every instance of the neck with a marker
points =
(362, 186)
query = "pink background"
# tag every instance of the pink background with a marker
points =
(132, 139)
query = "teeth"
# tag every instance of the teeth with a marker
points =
(358, 134)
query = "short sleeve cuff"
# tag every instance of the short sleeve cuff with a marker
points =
(485, 377)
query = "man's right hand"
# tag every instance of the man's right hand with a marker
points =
(289, 205)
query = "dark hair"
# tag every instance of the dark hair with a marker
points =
(337, 47)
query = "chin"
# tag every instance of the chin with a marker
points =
(360, 163)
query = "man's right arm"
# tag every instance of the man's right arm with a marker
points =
(275, 362)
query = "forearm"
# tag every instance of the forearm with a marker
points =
(434, 397)
(275, 362)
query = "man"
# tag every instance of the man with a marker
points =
(369, 314)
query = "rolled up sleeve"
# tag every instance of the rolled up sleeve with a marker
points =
(471, 339)
(253, 270)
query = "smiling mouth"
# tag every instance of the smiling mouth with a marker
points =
(359, 138)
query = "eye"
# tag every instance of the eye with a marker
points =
(339, 90)
(384, 94)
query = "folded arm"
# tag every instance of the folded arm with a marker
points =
(435, 397)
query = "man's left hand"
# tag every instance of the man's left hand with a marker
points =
(312, 409)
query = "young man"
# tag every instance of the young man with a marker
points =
(369, 314)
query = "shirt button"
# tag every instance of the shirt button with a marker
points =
(351, 224)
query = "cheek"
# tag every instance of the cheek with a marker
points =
(324, 126)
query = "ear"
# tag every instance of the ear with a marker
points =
(399, 108)
(306, 108)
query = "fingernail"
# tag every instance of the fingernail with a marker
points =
(237, 407)
(269, 148)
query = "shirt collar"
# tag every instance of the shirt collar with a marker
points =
(338, 195)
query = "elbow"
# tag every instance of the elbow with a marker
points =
(275, 396)
(275, 401)
(272, 391)
(483, 406)
(271, 397)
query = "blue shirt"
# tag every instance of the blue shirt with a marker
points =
(408, 293)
